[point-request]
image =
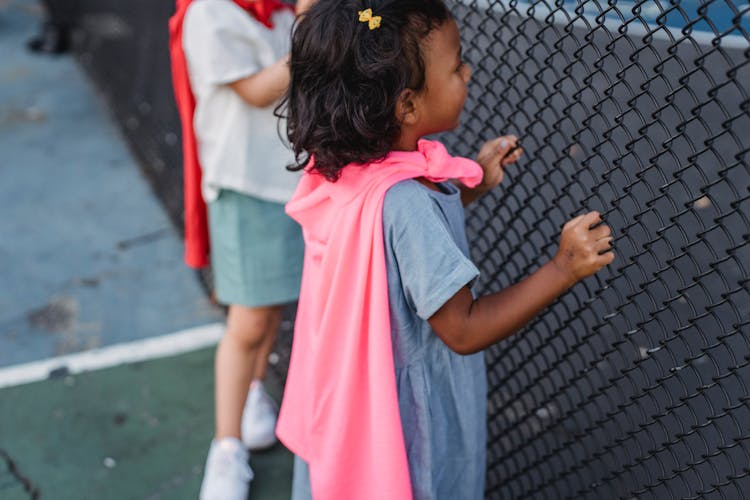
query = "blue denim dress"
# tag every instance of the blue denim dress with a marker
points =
(442, 395)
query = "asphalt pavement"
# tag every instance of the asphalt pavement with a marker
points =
(89, 262)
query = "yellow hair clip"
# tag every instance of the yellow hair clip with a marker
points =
(365, 16)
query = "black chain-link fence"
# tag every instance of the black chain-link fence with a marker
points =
(123, 47)
(634, 384)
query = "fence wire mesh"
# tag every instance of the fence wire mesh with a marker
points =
(633, 384)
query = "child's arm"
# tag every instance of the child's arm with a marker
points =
(493, 157)
(265, 87)
(467, 325)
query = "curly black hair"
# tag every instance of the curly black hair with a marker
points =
(346, 78)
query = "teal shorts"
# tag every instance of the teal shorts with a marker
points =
(256, 251)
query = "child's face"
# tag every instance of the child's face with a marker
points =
(446, 77)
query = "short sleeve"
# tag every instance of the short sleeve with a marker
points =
(221, 43)
(431, 265)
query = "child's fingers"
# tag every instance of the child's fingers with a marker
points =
(506, 144)
(498, 143)
(503, 144)
(496, 151)
(504, 141)
(490, 151)
(606, 257)
(605, 245)
(573, 222)
(512, 155)
(590, 219)
(585, 245)
(600, 231)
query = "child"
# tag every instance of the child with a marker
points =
(230, 66)
(385, 396)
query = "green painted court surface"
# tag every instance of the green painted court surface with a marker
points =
(137, 431)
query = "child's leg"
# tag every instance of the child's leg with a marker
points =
(261, 360)
(241, 354)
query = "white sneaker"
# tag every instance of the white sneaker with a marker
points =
(227, 475)
(259, 419)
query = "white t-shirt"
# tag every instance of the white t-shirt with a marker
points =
(240, 146)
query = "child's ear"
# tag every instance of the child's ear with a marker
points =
(406, 107)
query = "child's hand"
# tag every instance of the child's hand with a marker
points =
(583, 251)
(493, 156)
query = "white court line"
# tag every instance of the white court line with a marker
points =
(140, 350)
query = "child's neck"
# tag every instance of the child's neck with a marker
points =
(406, 142)
(429, 184)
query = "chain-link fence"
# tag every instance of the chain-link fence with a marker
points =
(634, 384)
(123, 46)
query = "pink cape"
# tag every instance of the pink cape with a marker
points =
(340, 410)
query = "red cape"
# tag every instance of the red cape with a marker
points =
(195, 216)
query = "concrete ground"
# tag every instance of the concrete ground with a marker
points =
(89, 260)
(136, 431)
